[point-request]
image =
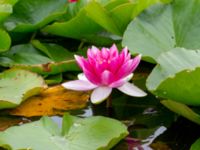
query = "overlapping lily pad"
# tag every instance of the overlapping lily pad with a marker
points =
(6, 8)
(176, 76)
(77, 134)
(94, 17)
(196, 145)
(5, 41)
(163, 27)
(29, 15)
(17, 85)
(41, 58)
(52, 101)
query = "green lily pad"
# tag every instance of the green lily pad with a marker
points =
(6, 8)
(163, 27)
(5, 41)
(195, 145)
(55, 52)
(24, 54)
(54, 79)
(43, 58)
(182, 110)
(102, 17)
(30, 15)
(176, 76)
(78, 27)
(96, 17)
(17, 85)
(94, 133)
(124, 13)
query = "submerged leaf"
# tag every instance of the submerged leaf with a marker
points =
(94, 133)
(52, 101)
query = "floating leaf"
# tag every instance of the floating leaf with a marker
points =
(6, 8)
(94, 17)
(182, 110)
(123, 14)
(52, 101)
(91, 24)
(54, 79)
(30, 15)
(176, 76)
(163, 27)
(26, 56)
(78, 27)
(101, 16)
(55, 52)
(90, 133)
(195, 145)
(5, 41)
(17, 85)
(6, 122)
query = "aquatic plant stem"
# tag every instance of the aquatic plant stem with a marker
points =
(109, 108)
(109, 102)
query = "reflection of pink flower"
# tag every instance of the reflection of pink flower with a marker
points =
(72, 1)
(104, 70)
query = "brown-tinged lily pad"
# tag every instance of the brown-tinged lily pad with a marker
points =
(6, 122)
(53, 101)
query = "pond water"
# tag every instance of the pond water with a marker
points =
(151, 125)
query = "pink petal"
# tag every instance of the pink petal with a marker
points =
(92, 77)
(72, 1)
(114, 51)
(107, 77)
(93, 52)
(100, 94)
(92, 59)
(136, 61)
(88, 69)
(114, 65)
(132, 90)
(125, 51)
(125, 54)
(128, 67)
(79, 85)
(82, 62)
(125, 69)
(105, 53)
(119, 83)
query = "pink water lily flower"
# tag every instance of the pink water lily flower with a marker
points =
(104, 70)
(72, 1)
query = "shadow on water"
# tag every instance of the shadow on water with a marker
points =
(151, 125)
